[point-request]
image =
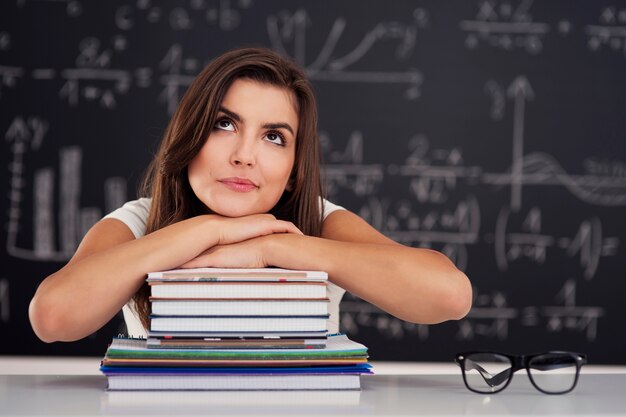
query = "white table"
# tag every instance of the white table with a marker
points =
(70, 386)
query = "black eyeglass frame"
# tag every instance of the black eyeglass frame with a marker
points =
(519, 362)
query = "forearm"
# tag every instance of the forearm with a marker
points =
(416, 285)
(85, 294)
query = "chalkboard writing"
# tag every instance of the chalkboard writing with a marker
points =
(492, 131)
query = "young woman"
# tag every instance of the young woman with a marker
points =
(236, 183)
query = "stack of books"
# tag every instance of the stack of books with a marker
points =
(236, 329)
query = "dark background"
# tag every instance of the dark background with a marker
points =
(490, 130)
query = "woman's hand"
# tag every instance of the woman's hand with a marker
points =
(239, 229)
(247, 254)
(242, 241)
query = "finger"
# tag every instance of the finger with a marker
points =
(229, 256)
(289, 227)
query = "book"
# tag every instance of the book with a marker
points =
(243, 382)
(230, 364)
(234, 343)
(238, 324)
(238, 335)
(133, 355)
(237, 274)
(191, 307)
(336, 347)
(238, 290)
(127, 402)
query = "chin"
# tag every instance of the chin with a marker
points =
(237, 205)
(233, 214)
(237, 212)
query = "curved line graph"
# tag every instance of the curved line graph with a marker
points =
(540, 168)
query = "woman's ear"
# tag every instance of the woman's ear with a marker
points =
(290, 184)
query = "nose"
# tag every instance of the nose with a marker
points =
(243, 152)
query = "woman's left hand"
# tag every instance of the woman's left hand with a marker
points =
(245, 254)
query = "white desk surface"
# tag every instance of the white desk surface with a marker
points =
(74, 386)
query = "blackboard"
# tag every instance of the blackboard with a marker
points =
(491, 130)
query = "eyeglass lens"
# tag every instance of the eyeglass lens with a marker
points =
(487, 372)
(553, 372)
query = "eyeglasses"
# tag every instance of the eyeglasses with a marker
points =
(550, 372)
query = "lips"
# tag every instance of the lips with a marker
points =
(239, 184)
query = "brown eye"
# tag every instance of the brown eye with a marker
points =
(275, 138)
(225, 124)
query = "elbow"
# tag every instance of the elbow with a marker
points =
(459, 302)
(44, 320)
(450, 300)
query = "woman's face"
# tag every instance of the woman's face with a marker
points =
(245, 164)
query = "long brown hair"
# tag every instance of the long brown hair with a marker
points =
(166, 179)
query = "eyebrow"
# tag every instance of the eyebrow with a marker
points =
(238, 118)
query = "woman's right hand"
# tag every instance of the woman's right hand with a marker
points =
(237, 229)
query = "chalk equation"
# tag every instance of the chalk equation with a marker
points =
(609, 32)
(508, 26)
(491, 317)
(224, 14)
(525, 240)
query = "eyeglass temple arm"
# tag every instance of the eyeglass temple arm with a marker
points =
(491, 380)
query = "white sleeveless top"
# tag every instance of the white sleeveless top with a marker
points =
(134, 214)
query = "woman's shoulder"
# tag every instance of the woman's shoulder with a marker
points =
(328, 208)
(133, 214)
